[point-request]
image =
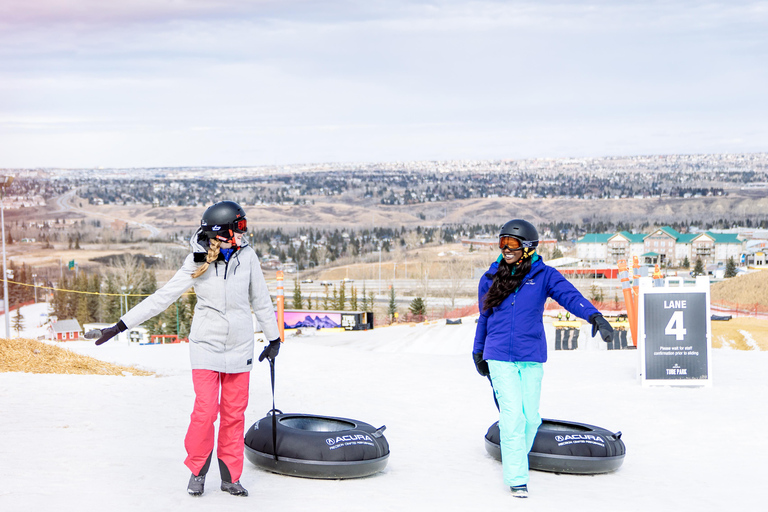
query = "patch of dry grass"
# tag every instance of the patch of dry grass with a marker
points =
(32, 356)
(751, 288)
(740, 334)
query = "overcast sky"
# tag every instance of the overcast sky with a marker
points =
(140, 83)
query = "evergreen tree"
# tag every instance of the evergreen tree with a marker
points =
(698, 269)
(342, 302)
(353, 299)
(18, 322)
(335, 300)
(297, 298)
(595, 293)
(418, 307)
(364, 300)
(149, 281)
(326, 299)
(392, 308)
(92, 300)
(82, 313)
(686, 262)
(557, 253)
(730, 268)
(26, 293)
(309, 301)
(109, 305)
(59, 303)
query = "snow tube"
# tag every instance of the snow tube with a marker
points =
(568, 447)
(317, 446)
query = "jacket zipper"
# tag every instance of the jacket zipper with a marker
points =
(514, 303)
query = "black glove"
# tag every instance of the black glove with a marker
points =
(270, 351)
(601, 324)
(481, 364)
(107, 334)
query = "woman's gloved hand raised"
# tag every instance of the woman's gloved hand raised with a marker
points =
(599, 323)
(106, 334)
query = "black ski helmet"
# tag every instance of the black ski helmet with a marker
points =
(523, 231)
(223, 220)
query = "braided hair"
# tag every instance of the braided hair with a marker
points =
(507, 279)
(214, 246)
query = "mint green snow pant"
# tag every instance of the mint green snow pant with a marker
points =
(517, 386)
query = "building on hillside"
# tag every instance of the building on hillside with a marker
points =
(716, 248)
(755, 253)
(660, 247)
(592, 248)
(65, 330)
(624, 245)
(663, 246)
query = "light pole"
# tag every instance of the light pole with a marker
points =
(126, 297)
(34, 284)
(5, 182)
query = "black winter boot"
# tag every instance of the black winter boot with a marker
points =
(233, 488)
(196, 485)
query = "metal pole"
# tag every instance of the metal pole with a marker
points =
(280, 305)
(6, 302)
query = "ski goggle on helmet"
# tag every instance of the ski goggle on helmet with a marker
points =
(511, 242)
(519, 234)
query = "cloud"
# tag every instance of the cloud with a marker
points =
(378, 78)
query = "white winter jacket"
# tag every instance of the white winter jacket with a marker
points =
(221, 337)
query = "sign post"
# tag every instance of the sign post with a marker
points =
(280, 305)
(675, 336)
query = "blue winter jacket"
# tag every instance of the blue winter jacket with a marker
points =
(514, 330)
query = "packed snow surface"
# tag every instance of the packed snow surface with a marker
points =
(97, 443)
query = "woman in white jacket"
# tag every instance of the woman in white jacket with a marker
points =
(227, 278)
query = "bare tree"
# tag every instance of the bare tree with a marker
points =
(424, 266)
(457, 271)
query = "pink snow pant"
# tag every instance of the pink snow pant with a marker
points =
(230, 408)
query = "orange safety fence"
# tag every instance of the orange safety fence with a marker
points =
(741, 309)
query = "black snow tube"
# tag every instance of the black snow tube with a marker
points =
(313, 446)
(568, 447)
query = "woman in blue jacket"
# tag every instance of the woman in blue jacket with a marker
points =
(510, 345)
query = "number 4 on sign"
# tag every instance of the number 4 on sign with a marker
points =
(675, 326)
